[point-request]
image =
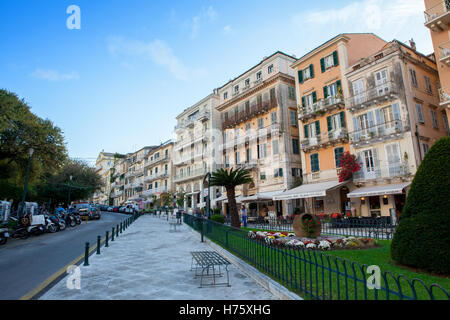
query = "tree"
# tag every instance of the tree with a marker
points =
(422, 238)
(230, 179)
(181, 196)
(166, 199)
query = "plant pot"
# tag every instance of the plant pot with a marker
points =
(298, 226)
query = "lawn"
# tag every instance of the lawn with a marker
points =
(332, 275)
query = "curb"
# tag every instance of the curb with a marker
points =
(266, 282)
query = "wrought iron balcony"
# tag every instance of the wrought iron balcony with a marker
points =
(325, 139)
(444, 53)
(378, 133)
(320, 107)
(381, 93)
(150, 192)
(196, 173)
(382, 171)
(254, 110)
(444, 96)
(437, 18)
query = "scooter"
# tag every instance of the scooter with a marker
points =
(19, 231)
(59, 222)
(70, 220)
(77, 218)
(4, 235)
(49, 225)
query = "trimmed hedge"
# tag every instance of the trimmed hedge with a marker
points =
(422, 239)
(218, 218)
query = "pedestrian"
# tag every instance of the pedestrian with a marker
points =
(244, 216)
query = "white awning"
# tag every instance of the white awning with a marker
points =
(238, 199)
(222, 198)
(379, 190)
(309, 190)
(262, 196)
(192, 193)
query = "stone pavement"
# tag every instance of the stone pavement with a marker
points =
(147, 262)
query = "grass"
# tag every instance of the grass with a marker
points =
(334, 275)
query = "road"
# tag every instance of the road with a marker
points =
(25, 264)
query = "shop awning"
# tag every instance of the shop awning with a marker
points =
(262, 196)
(379, 190)
(192, 193)
(222, 198)
(238, 199)
(309, 190)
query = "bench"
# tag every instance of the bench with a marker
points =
(173, 226)
(209, 263)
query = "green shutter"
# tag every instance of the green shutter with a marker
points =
(306, 131)
(322, 64)
(317, 127)
(325, 92)
(339, 86)
(314, 94)
(342, 114)
(300, 76)
(335, 58)
(311, 70)
(330, 128)
(303, 104)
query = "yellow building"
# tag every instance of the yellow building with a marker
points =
(259, 121)
(103, 165)
(437, 19)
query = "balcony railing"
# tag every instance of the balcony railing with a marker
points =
(382, 171)
(251, 135)
(203, 115)
(157, 160)
(379, 132)
(320, 106)
(254, 110)
(444, 96)
(183, 160)
(380, 93)
(153, 177)
(191, 175)
(116, 194)
(438, 17)
(150, 192)
(444, 53)
(325, 139)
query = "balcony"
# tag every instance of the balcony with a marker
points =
(254, 110)
(321, 176)
(381, 93)
(444, 53)
(187, 158)
(116, 194)
(250, 165)
(379, 133)
(157, 160)
(157, 176)
(193, 174)
(325, 140)
(383, 171)
(320, 107)
(251, 135)
(444, 96)
(128, 186)
(203, 115)
(155, 191)
(437, 18)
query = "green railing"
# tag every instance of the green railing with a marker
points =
(313, 274)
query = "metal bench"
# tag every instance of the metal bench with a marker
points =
(209, 263)
(173, 226)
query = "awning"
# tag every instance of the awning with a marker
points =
(192, 193)
(222, 198)
(262, 196)
(309, 190)
(379, 190)
(238, 199)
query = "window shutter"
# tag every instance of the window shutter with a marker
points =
(356, 128)
(330, 128)
(300, 76)
(311, 70)
(342, 115)
(325, 92)
(317, 127)
(322, 64)
(339, 86)
(314, 95)
(335, 58)
(306, 131)
(378, 116)
(396, 111)
(303, 103)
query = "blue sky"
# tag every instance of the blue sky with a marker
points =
(119, 82)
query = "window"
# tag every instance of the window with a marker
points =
(278, 172)
(296, 172)
(359, 91)
(260, 123)
(329, 61)
(272, 94)
(247, 106)
(236, 89)
(425, 148)
(227, 162)
(331, 90)
(444, 116)
(291, 93)
(381, 82)
(270, 69)
(275, 147)
(263, 176)
(225, 95)
(248, 155)
(247, 82)
(428, 84)
(306, 74)
(434, 118)
(315, 167)
(419, 111)
(308, 101)
(293, 117)
(295, 146)
(338, 152)
(247, 127)
(413, 77)
(273, 117)
(236, 157)
(156, 185)
(262, 151)
(336, 121)
(259, 76)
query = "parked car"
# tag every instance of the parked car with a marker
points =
(109, 209)
(122, 209)
(115, 209)
(90, 211)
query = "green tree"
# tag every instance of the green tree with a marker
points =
(422, 239)
(230, 179)
(181, 196)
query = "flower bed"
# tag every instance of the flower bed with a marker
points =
(289, 240)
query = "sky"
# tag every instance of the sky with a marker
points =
(118, 83)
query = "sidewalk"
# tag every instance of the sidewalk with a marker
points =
(147, 262)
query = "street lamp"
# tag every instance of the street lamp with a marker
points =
(30, 151)
(70, 185)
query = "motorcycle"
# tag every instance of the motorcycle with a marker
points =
(77, 218)
(49, 225)
(4, 235)
(20, 230)
(59, 222)
(70, 220)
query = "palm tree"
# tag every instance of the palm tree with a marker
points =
(229, 180)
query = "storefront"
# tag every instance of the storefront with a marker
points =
(379, 201)
(262, 205)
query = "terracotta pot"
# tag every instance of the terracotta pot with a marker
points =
(298, 226)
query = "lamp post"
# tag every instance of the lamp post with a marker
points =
(70, 187)
(208, 203)
(31, 151)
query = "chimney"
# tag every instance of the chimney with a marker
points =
(412, 44)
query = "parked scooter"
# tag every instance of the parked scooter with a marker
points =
(4, 235)
(49, 225)
(19, 231)
(59, 222)
(70, 220)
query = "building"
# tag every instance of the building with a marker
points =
(323, 121)
(158, 172)
(118, 171)
(103, 166)
(195, 151)
(437, 19)
(258, 114)
(393, 118)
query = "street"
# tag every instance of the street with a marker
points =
(25, 264)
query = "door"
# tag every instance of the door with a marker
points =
(381, 82)
(369, 163)
(393, 159)
(358, 91)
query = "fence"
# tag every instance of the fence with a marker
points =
(314, 274)
(377, 228)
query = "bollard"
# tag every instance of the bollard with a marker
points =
(86, 254)
(117, 231)
(106, 239)
(121, 227)
(86, 219)
(201, 226)
(99, 240)
(112, 234)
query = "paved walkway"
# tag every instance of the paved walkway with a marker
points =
(147, 262)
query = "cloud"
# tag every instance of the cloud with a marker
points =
(157, 51)
(227, 29)
(54, 75)
(373, 14)
(205, 16)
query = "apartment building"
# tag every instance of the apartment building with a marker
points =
(321, 91)
(158, 171)
(258, 117)
(393, 118)
(437, 19)
(103, 165)
(195, 151)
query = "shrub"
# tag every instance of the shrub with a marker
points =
(218, 218)
(422, 239)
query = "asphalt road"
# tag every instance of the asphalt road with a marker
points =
(25, 264)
